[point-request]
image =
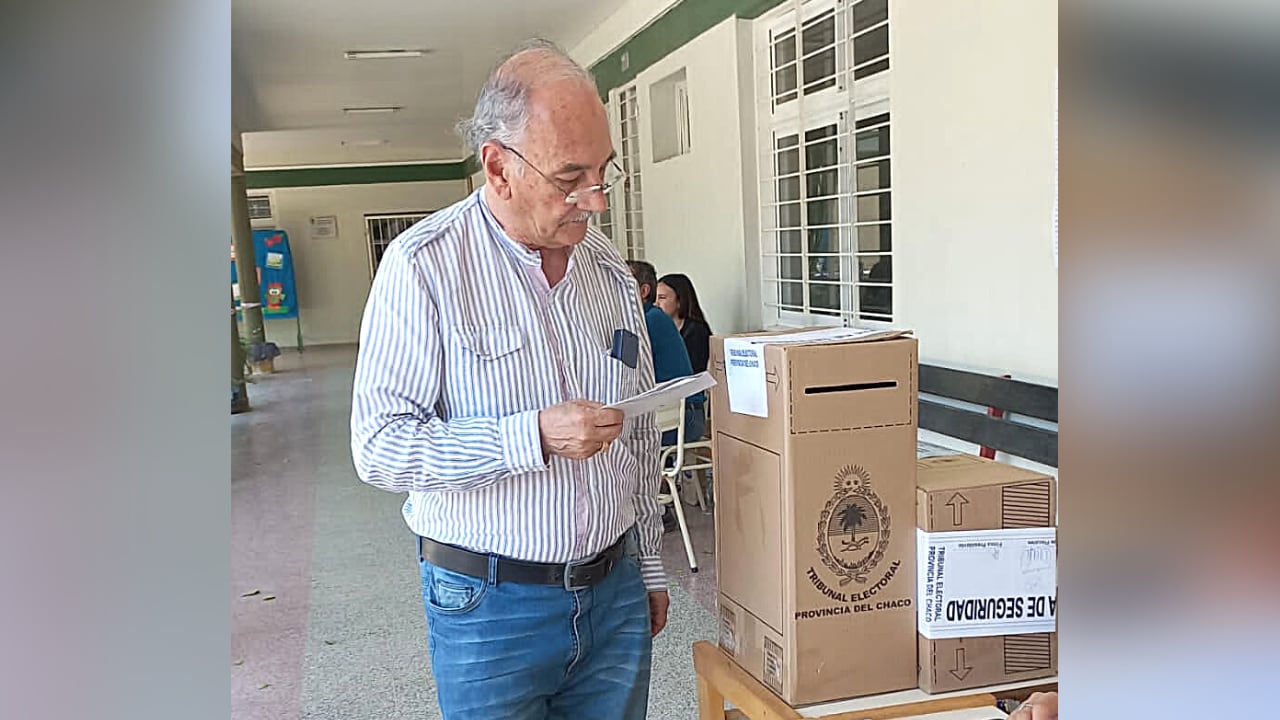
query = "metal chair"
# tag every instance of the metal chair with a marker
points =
(674, 462)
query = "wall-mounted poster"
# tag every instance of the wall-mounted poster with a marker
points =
(275, 274)
(324, 227)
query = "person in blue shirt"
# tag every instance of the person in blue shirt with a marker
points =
(670, 354)
(670, 357)
(670, 360)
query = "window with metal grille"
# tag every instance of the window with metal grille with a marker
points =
(382, 228)
(604, 220)
(868, 43)
(825, 188)
(804, 61)
(260, 207)
(631, 222)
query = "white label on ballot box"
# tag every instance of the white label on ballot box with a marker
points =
(987, 582)
(744, 373)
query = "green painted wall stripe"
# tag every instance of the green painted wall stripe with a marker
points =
(360, 175)
(677, 26)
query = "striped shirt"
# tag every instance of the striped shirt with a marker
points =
(462, 343)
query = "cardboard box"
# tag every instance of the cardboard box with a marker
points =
(815, 544)
(960, 493)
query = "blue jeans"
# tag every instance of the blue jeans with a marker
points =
(537, 652)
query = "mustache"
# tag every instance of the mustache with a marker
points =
(580, 216)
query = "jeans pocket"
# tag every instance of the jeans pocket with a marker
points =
(631, 547)
(450, 593)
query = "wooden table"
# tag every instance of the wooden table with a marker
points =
(720, 679)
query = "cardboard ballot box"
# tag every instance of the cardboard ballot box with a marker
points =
(815, 452)
(987, 573)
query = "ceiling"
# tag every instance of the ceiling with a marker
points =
(290, 80)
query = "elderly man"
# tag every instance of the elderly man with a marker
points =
(495, 332)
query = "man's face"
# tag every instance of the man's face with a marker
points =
(568, 140)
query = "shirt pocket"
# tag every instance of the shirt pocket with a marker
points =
(490, 342)
(483, 365)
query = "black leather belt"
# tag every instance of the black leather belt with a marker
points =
(571, 576)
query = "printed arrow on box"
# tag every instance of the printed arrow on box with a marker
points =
(962, 668)
(957, 503)
(771, 377)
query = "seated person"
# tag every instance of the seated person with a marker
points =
(670, 361)
(679, 301)
(670, 357)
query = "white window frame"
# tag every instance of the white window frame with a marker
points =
(843, 104)
(783, 20)
(626, 199)
(670, 132)
(397, 219)
(771, 253)
(604, 221)
(684, 129)
(270, 219)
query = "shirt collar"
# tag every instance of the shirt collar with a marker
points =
(530, 258)
(522, 252)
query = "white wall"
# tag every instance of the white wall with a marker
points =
(971, 102)
(695, 219)
(332, 275)
(972, 141)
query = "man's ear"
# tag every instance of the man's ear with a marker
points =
(494, 163)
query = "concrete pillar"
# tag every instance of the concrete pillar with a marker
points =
(239, 389)
(246, 267)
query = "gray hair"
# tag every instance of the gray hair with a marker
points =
(502, 110)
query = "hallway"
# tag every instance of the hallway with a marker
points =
(327, 619)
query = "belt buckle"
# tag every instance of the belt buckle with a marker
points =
(568, 578)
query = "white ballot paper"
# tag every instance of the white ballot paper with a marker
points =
(665, 394)
(826, 336)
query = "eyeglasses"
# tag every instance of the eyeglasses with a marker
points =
(613, 174)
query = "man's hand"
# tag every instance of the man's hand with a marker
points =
(578, 429)
(658, 603)
(1040, 706)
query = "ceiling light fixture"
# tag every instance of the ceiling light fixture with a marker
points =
(364, 143)
(373, 110)
(383, 54)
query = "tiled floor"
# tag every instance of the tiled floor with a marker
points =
(702, 584)
(336, 629)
